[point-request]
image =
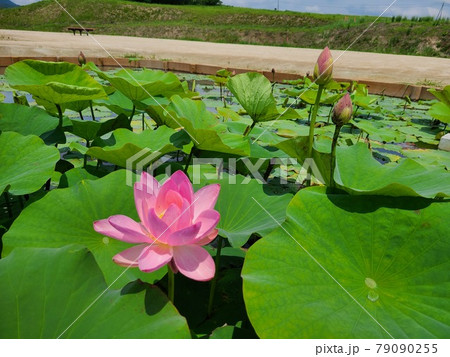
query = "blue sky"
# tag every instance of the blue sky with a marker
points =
(352, 7)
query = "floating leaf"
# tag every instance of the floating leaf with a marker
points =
(392, 255)
(39, 301)
(26, 163)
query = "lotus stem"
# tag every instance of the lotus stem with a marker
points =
(170, 284)
(85, 156)
(81, 115)
(92, 110)
(8, 204)
(132, 113)
(329, 115)
(337, 130)
(189, 160)
(214, 281)
(268, 171)
(60, 115)
(249, 128)
(311, 130)
(143, 122)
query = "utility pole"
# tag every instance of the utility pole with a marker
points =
(278, 6)
(439, 15)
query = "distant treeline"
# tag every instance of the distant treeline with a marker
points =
(182, 2)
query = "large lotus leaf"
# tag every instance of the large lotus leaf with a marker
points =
(359, 173)
(89, 130)
(240, 215)
(254, 92)
(297, 148)
(65, 216)
(192, 111)
(139, 85)
(124, 145)
(440, 111)
(26, 163)
(78, 106)
(391, 255)
(55, 82)
(118, 103)
(203, 128)
(443, 95)
(46, 291)
(26, 120)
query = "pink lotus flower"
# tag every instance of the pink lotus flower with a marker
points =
(323, 70)
(175, 223)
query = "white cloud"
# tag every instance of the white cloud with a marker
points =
(314, 8)
(24, 2)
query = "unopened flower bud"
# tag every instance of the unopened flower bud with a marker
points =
(81, 58)
(323, 70)
(343, 110)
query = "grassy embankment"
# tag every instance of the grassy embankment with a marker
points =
(236, 25)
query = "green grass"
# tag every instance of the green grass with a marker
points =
(236, 25)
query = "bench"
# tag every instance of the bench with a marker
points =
(80, 30)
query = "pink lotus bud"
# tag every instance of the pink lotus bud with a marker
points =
(81, 58)
(343, 110)
(323, 70)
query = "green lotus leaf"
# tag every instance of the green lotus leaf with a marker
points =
(55, 82)
(378, 130)
(204, 128)
(254, 92)
(89, 130)
(297, 148)
(352, 267)
(240, 213)
(140, 85)
(39, 301)
(359, 173)
(72, 212)
(26, 163)
(26, 120)
(443, 95)
(118, 103)
(78, 106)
(148, 145)
(75, 175)
(440, 111)
(437, 158)
(364, 101)
(309, 96)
